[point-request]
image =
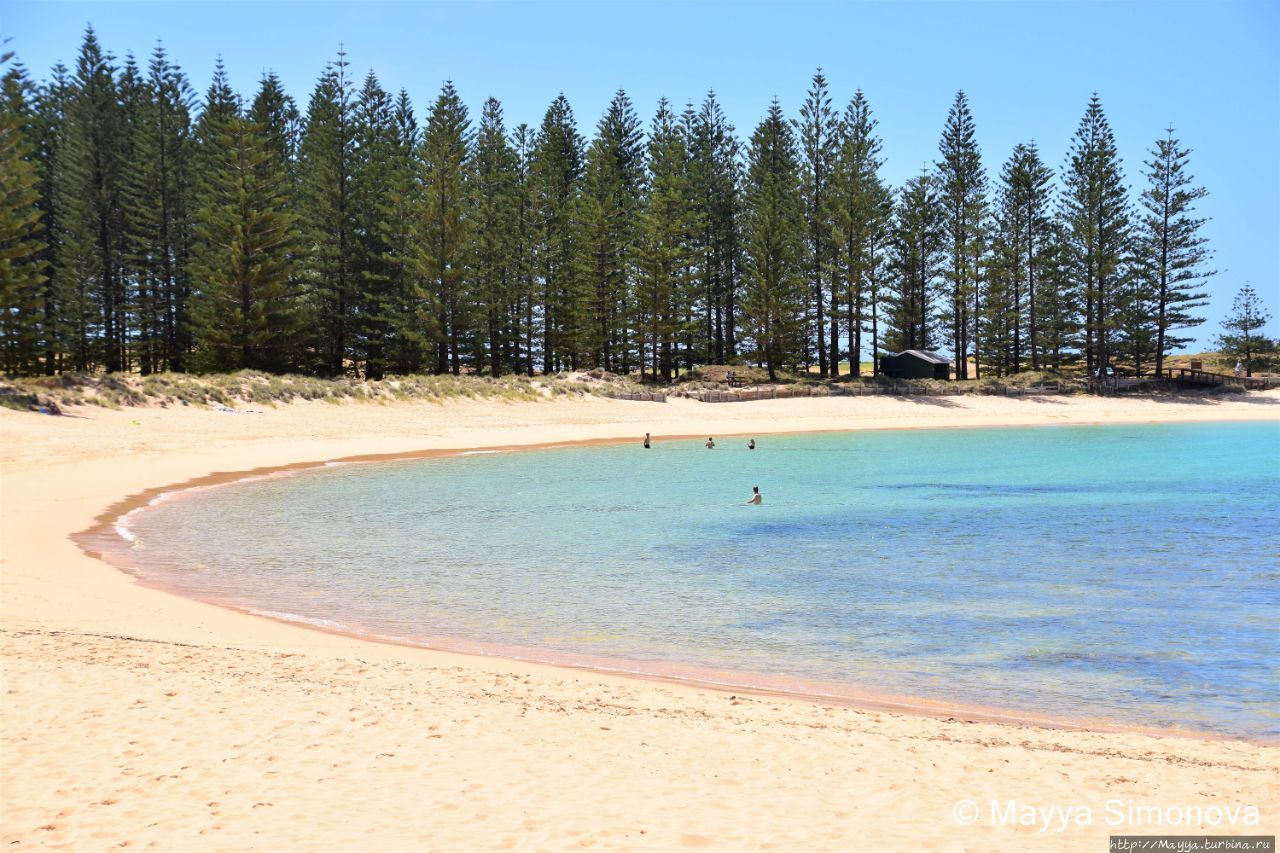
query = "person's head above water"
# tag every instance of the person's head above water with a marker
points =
(755, 489)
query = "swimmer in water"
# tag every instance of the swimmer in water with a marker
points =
(751, 445)
(710, 443)
(755, 496)
(646, 441)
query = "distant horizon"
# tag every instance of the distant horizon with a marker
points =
(1029, 72)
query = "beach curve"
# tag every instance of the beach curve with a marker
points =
(53, 600)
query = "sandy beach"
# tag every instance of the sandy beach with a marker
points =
(136, 718)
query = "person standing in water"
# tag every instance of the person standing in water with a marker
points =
(646, 441)
(710, 443)
(751, 445)
(755, 496)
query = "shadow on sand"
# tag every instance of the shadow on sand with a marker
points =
(1252, 398)
(940, 402)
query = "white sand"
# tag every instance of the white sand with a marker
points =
(133, 717)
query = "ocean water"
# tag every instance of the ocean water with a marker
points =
(1121, 573)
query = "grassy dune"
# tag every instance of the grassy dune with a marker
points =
(261, 389)
(253, 388)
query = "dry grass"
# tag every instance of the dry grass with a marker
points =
(253, 388)
(248, 387)
(1211, 361)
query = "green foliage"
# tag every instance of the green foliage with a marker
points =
(555, 172)
(1241, 336)
(445, 227)
(91, 217)
(1172, 253)
(916, 264)
(526, 291)
(1096, 215)
(962, 183)
(141, 231)
(715, 187)
(820, 130)
(1020, 241)
(773, 301)
(405, 303)
(275, 112)
(495, 204)
(373, 263)
(666, 225)
(609, 215)
(157, 196)
(861, 207)
(247, 314)
(327, 165)
(22, 265)
(1058, 303)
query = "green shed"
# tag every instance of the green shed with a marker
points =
(915, 364)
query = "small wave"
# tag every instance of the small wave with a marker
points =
(121, 526)
(305, 620)
(478, 452)
(123, 531)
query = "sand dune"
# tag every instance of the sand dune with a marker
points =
(135, 718)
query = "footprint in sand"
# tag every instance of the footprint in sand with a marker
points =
(692, 840)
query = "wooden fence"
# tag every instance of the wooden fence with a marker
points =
(641, 396)
(893, 388)
(903, 388)
(1182, 377)
(1189, 376)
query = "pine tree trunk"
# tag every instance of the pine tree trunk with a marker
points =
(529, 327)
(875, 330)
(719, 322)
(731, 321)
(835, 334)
(546, 333)
(1164, 289)
(1033, 332)
(977, 331)
(821, 317)
(924, 313)
(455, 365)
(855, 339)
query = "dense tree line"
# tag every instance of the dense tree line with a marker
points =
(143, 227)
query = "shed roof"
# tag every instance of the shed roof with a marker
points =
(925, 355)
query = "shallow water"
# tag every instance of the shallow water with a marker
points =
(1126, 573)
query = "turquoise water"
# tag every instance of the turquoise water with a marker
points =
(1124, 573)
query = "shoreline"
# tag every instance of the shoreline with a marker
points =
(142, 717)
(97, 541)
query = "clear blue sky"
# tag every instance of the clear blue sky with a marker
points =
(1211, 69)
